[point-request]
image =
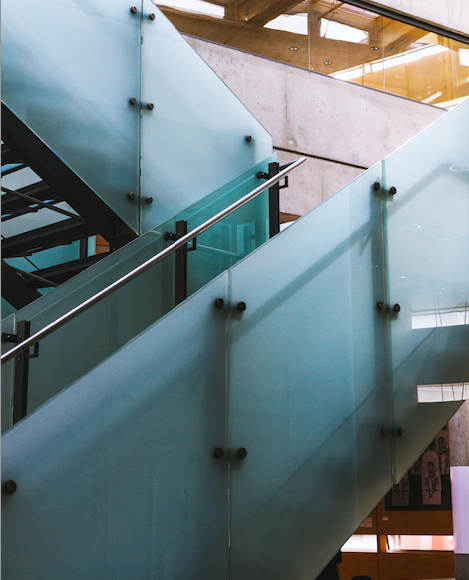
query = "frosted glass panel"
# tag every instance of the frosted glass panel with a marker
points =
(194, 139)
(87, 340)
(299, 378)
(68, 71)
(117, 477)
(308, 392)
(236, 236)
(78, 346)
(428, 251)
(73, 85)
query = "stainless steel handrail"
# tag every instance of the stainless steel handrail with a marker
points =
(34, 338)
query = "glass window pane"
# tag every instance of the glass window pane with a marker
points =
(346, 42)
(341, 40)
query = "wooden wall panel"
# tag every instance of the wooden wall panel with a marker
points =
(363, 564)
(415, 565)
(413, 522)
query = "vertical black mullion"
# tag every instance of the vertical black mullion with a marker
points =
(274, 202)
(20, 393)
(180, 275)
(83, 248)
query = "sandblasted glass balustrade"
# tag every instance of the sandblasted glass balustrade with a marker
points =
(428, 258)
(229, 442)
(117, 477)
(81, 344)
(127, 104)
(199, 136)
(308, 389)
(297, 379)
(75, 348)
(68, 72)
(236, 236)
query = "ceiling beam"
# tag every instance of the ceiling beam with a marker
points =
(271, 11)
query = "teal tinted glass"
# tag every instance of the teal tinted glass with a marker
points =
(78, 346)
(308, 393)
(68, 72)
(428, 253)
(230, 240)
(117, 477)
(194, 139)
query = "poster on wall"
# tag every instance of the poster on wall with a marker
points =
(427, 485)
(430, 479)
(400, 492)
(442, 449)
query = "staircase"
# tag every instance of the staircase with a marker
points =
(168, 434)
(49, 217)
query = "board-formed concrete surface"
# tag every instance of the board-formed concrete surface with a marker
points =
(343, 128)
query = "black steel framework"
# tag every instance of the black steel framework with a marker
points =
(22, 144)
(56, 183)
(15, 290)
(20, 392)
(50, 236)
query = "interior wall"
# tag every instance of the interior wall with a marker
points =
(387, 565)
(342, 128)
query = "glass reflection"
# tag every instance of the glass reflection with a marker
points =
(337, 39)
(441, 318)
(444, 393)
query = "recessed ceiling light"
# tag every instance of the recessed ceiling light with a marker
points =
(293, 48)
(374, 47)
(328, 62)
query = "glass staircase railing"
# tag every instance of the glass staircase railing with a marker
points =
(250, 443)
(77, 347)
(126, 103)
(143, 133)
(428, 254)
(44, 240)
(49, 218)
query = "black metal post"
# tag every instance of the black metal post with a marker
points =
(180, 274)
(274, 202)
(83, 248)
(20, 393)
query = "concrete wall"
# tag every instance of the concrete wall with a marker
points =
(452, 14)
(343, 128)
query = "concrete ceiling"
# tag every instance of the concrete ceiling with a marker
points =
(243, 28)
